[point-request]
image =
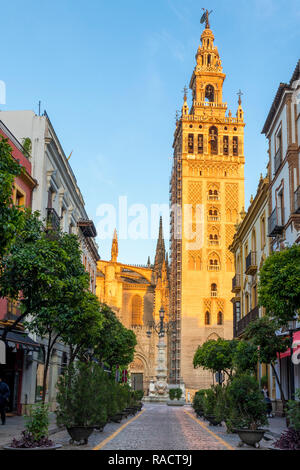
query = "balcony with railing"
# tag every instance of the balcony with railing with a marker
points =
(242, 324)
(275, 226)
(213, 242)
(213, 267)
(13, 310)
(251, 263)
(277, 160)
(297, 200)
(236, 283)
(53, 219)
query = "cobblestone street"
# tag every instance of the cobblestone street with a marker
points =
(159, 427)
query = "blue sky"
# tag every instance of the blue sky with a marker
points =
(111, 74)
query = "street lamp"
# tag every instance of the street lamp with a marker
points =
(161, 327)
(159, 388)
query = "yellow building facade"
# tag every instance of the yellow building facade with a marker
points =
(136, 294)
(207, 185)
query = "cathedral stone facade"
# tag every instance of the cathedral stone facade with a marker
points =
(208, 180)
(136, 294)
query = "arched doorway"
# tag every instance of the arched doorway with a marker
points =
(137, 373)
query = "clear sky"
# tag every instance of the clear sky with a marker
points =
(111, 74)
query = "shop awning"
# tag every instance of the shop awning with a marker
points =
(296, 349)
(19, 340)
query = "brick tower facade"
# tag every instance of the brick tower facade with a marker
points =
(207, 187)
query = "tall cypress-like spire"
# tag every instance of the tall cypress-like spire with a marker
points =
(160, 249)
(114, 248)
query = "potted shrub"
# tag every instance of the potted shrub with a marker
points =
(198, 403)
(175, 395)
(138, 395)
(290, 439)
(114, 406)
(36, 433)
(248, 409)
(225, 411)
(81, 401)
(210, 406)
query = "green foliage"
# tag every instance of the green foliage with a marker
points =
(279, 286)
(175, 393)
(27, 146)
(11, 218)
(210, 401)
(293, 412)
(198, 401)
(262, 333)
(84, 328)
(116, 344)
(37, 423)
(83, 396)
(264, 381)
(35, 266)
(216, 356)
(245, 357)
(246, 401)
(139, 394)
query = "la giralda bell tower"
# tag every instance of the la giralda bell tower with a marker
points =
(207, 188)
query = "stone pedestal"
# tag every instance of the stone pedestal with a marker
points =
(159, 390)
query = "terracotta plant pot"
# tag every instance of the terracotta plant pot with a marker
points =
(80, 434)
(249, 437)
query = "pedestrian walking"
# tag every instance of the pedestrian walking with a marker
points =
(265, 392)
(4, 398)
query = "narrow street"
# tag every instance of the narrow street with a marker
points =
(158, 427)
(161, 427)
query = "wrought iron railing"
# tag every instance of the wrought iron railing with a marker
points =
(297, 200)
(275, 227)
(251, 262)
(244, 322)
(53, 219)
(277, 160)
(236, 282)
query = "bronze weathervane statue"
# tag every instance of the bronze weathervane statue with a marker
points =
(205, 18)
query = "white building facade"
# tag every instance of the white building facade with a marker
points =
(58, 199)
(282, 129)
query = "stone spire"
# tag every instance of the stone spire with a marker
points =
(160, 249)
(185, 107)
(114, 248)
(240, 112)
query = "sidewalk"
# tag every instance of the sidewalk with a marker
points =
(15, 425)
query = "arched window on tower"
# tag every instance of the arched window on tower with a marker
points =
(210, 93)
(225, 145)
(213, 215)
(200, 143)
(137, 311)
(220, 318)
(191, 143)
(214, 290)
(213, 140)
(214, 262)
(235, 146)
(207, 318)
(213, 195)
